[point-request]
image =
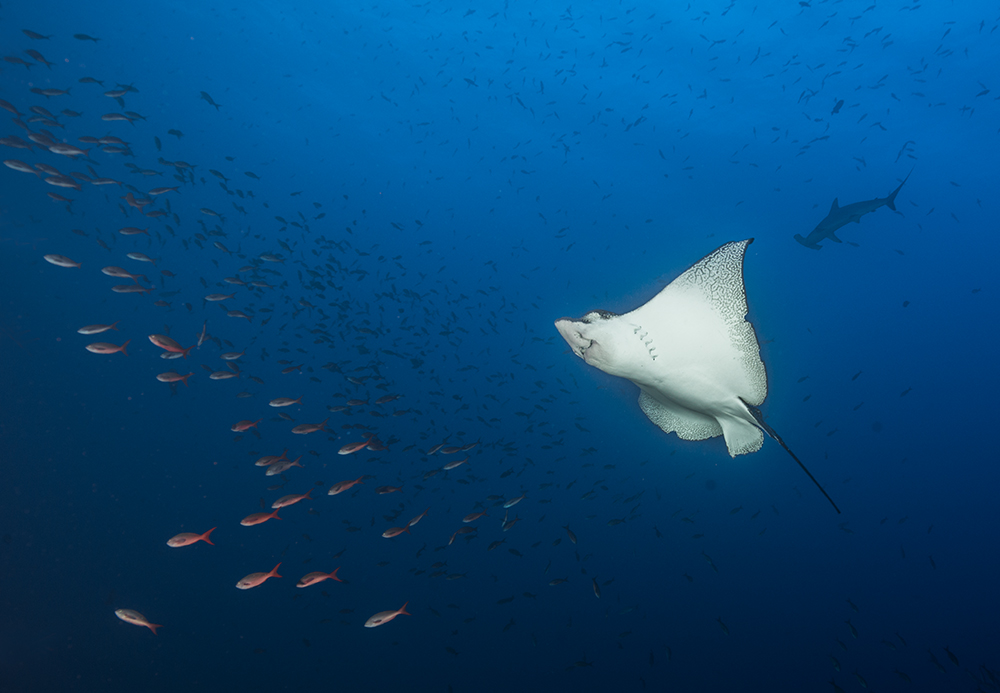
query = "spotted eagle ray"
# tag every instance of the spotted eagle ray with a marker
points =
(841, 216)
(694, 357)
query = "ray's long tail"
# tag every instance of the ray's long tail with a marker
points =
(759, 418)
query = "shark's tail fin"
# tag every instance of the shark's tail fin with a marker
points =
(890, 201)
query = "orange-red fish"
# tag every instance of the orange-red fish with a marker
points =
(137, 619)
(107, 348)
(291, 499)
(258, 518)
(353, 447)
(384, 617)
(313, 578)
(514, 501)
(284, 401)
(188, 538)
(255, 579)
(281, 466)
(376, 445)
(417, 519)
(244, 425)
(267, 460)
(173, 377)
(168, 344)
(303, 429)
(342, 486)
(456, 463)
(463, 530)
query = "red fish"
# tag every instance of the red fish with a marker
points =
(258, 518)
(168, 344)
(342, 486)
(291, 499)
(136, 619)
(303, 429)
(463, 530)
(417, 519)
(172, 377)
(456, 463)
(353, 447)
(514, 501)
(244, 425)
(313, 578)
(279, 467)
(255, 579)
(188, 538)
(107, 348)
(384, 617)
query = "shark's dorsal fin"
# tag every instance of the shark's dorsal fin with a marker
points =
(834, 207)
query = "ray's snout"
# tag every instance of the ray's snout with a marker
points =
(569, 329)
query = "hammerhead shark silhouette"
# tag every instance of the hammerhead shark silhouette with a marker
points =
(841, 216)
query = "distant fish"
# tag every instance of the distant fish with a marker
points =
(256, 579)
(136, 619)
(106, 348)
(207, 98)
(383, 617)
(841, 216)
(97, 329)
(317, 577)
(188, 538)
(61, 261)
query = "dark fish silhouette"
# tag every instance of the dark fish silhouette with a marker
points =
(841, 216)
(206, 97)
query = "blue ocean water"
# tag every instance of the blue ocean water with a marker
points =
(440, 183)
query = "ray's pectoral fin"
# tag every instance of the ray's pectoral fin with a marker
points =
(759, 418)
(673, 418)
(742, 437)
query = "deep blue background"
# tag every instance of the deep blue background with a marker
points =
(511, 134)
